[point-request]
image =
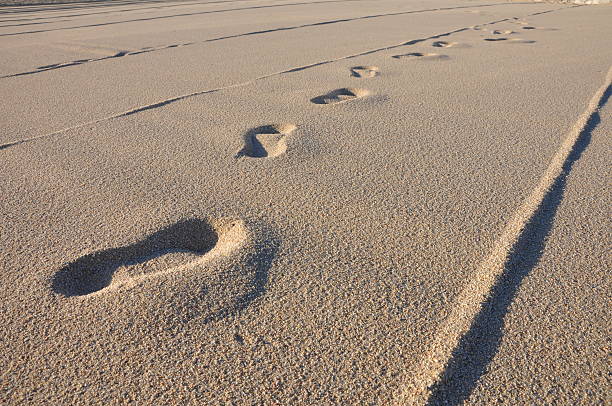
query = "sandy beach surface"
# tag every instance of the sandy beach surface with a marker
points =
(317, 202)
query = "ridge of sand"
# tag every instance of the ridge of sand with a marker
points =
(470, 301)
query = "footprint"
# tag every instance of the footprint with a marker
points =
(503, 32)
(511, 40)
(267, 141)
(176, 248)
(422, 56)
(365, 71)
(530, 27)
(520, 22)
(340, 96)
(445, 44)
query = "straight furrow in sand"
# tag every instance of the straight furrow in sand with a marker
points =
(424, 383)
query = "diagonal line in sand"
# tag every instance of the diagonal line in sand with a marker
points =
(241, 84)
(470, 302)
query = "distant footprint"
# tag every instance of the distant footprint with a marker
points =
(511, 40)
(520, 22)
(340, 96)
(503, 32)
(422, 56)
(530, 27)
(445, 44)
(176, 248)
(266, 141)
(365, 71)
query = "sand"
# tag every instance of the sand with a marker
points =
(305, 202)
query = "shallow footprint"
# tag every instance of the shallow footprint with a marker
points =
(267, 141)
(340, 96)
(422, 56)
(511, 40)
(365, 71)
(179, 247)
(519, 22)
(445, 44)
(530, 27)
(503, 32)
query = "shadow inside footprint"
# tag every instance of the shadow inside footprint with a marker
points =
(422, 56)
(364, 71)
(267, 141)
(191, 239)
(340, 96)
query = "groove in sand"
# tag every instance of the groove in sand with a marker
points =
(469, 303)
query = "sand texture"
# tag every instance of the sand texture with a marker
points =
(322, 202)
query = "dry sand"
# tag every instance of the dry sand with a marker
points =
(305, 202)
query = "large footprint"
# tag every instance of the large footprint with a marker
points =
(340, 96)
(266, 142)
(365, 71)
(422, 56)
(179, 247)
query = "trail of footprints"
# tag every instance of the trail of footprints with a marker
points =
(195, 242)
